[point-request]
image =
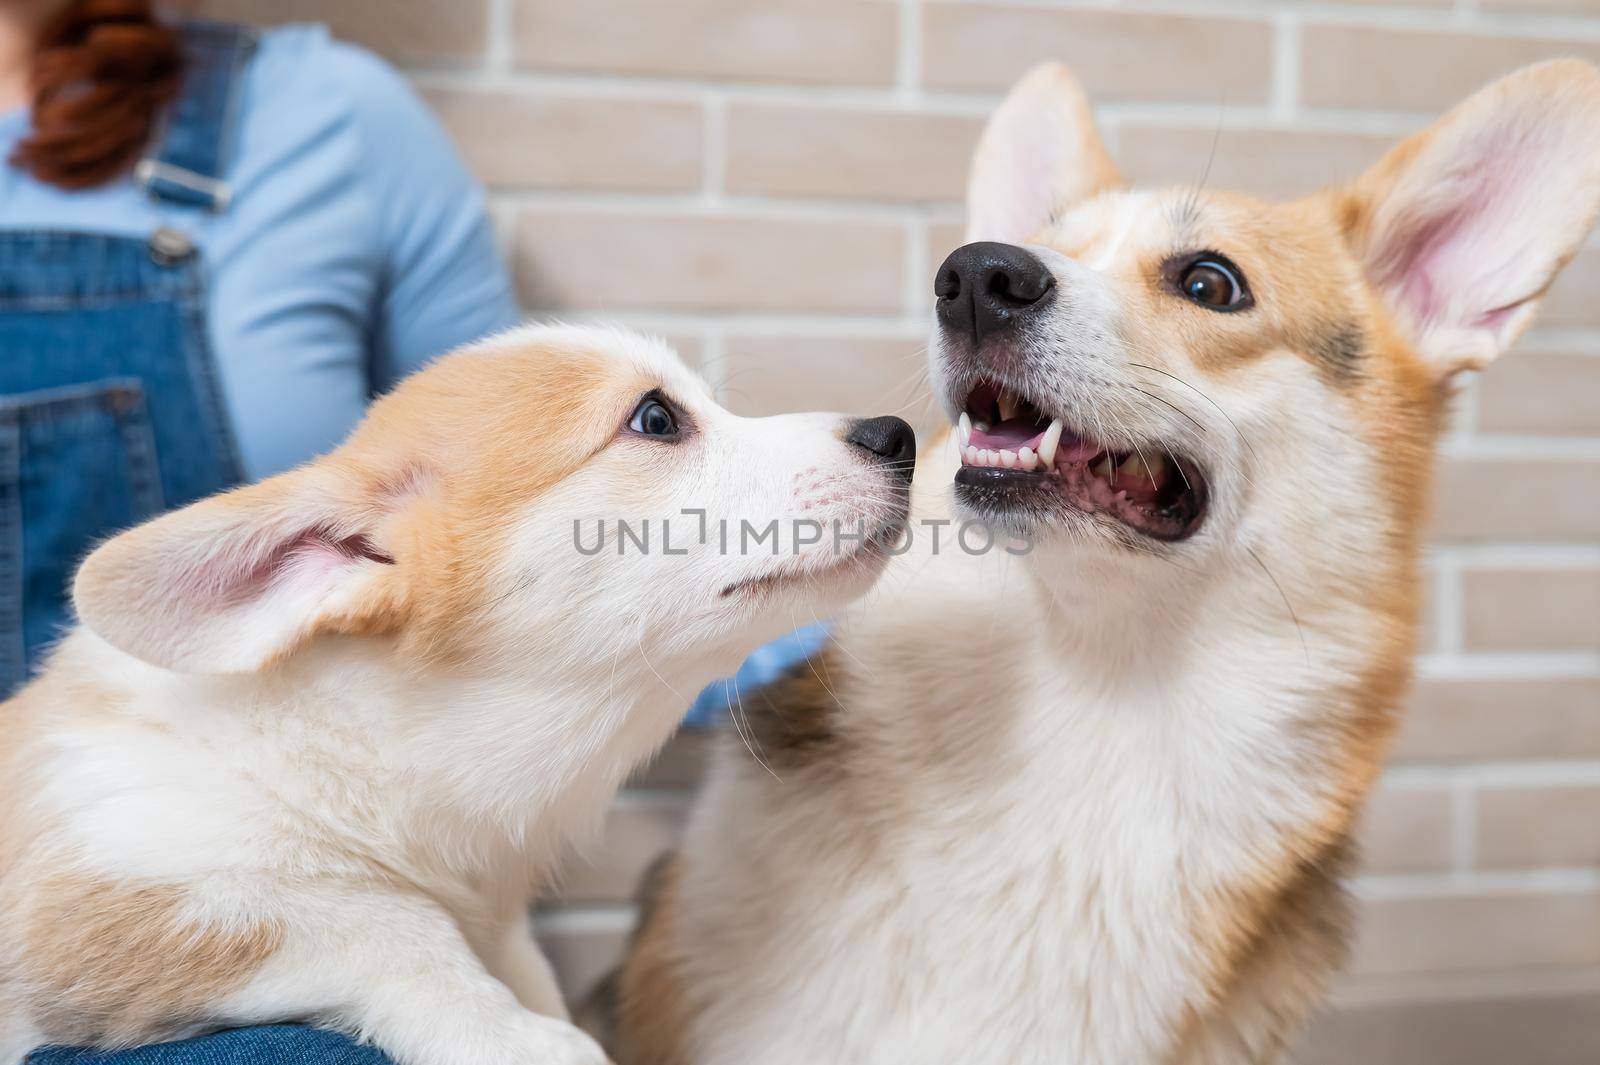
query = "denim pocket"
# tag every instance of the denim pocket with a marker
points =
(76, 464)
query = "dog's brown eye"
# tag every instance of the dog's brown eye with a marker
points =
(1213, 284)
(652, 418)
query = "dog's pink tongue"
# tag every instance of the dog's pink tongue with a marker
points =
(1013, 435)
(1074, 448)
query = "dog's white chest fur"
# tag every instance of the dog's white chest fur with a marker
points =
(971, 871)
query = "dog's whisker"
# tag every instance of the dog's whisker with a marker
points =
(1179, 467)
(736, 715)
(1191, 418)
(1304, 646)
(1219, 409)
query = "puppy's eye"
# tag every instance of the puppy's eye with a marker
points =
(652, 418)
(1213, 283)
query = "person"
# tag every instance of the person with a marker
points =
(216, 244)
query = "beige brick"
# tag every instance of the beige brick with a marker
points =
(1531, 827)
(638, 828)
(1518, 499)
(1416, 70)
(1532, 610)
(1351, 991)
(877, 154)
(1406, 830)
(1480, 720)
(690, 347)
(1540, 392)
(400, 29)
(854, 375)
(542, 141)
(943, 238)
(1428, 633)
(1574, 299)
(582, 952)
(1518, 1022)
(1560, 7)
(1279, 164)
(1458, 933)
(614, 261)
(809, 41)
(1116, 55)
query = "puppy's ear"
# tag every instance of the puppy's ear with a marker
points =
(1463, 227)
(232, 583)
(1039, 153)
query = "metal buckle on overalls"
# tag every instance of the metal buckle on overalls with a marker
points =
(148, 171)
(170, 246)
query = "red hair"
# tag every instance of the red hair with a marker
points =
(102, 72)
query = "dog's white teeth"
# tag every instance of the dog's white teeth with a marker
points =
(982, 427)
(964, 430)
(1047, 446)
(1003, 459)
(1102, 468)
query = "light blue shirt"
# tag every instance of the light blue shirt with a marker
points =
(355, 246)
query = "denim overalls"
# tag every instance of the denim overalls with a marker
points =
(109, 406)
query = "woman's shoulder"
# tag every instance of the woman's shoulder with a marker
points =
(340, 117)
(302, 63)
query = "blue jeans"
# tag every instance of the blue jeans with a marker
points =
(273, 1044)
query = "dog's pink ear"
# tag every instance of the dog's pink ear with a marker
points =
(232, 583)
(1039, 153)
(1464, 226)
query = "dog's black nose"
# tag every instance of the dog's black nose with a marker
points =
(986, 286)
(888, 440)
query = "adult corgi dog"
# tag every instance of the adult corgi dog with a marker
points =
(317, 741)
(1091, 804)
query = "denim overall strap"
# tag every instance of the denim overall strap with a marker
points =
(110, 409)
(188, 164)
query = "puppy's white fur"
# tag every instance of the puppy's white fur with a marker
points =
(1092, 805)
(320, 738)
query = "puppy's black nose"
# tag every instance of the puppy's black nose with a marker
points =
(888, 440)
(985, 287)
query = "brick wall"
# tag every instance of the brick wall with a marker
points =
(771, 182)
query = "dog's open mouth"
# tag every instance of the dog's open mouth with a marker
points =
(1011, 451)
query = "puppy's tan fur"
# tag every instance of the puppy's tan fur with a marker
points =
(317, 741)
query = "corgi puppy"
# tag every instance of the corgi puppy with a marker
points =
(316, 741)
(1091, 803)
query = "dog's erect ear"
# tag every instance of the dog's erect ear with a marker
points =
(1464, 226)
(232, 583)
(1039, 153)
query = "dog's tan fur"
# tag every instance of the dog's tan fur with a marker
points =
(116, 964)
(106, 959)
(884, 769)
